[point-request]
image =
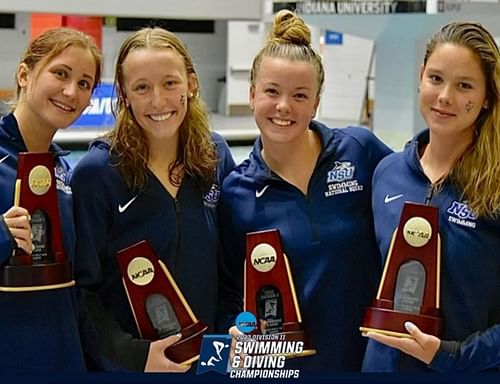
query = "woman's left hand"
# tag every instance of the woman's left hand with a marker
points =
(422, 346)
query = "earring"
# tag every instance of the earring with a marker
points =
(190, 95)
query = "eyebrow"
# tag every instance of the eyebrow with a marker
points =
(71, 70)
(271, 83)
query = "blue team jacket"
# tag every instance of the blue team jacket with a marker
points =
(109, 217)
(470, 265)
(38, 330)
(327, 235)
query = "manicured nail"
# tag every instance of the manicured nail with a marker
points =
(409, 326)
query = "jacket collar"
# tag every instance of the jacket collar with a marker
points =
(412, 151)
(258, 166)
(9, 131)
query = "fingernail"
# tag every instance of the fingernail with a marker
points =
(179, 335)
(409, 326)
(32, 247)
(364, 334)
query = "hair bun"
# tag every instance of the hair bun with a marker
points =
(289, 28)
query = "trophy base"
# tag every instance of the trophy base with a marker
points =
(187, 349)
(391, 322)
(37, 277)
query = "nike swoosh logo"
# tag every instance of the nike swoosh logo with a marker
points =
(3, 158)
(123, 208)
(261, 192)
(388, 198)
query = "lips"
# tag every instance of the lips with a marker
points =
(440, 112)
(281, 123)
(161, 117)
(62, 106)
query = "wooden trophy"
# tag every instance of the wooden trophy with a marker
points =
(270, 291)
(159, 307)
(48, 266)
(409, 288)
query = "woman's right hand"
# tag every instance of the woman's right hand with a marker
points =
(17, 220)
(158, 362)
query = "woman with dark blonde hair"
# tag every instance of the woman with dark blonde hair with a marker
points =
(455, 166)
(155, 177)
(55, 78)
(313, 184)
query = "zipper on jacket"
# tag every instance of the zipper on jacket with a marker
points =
(177, 240)
(430, 193)
(312, 219)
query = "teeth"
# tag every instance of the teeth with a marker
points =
(162, 117)
(283, 123)
(62, 106)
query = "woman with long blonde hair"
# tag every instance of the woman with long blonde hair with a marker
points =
(155, 177)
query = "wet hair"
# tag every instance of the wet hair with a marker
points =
(289, 39)
(51, 43)
(196, 153)
(476, 173)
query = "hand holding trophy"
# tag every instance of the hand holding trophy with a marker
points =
(159, 307)
(48, 266)
(270, 291)
(409, 288)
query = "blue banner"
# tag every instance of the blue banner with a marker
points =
(98, 114)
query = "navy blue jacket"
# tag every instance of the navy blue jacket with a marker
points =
(327, 236)
(38, 330)
(109, 217)
(470, 259)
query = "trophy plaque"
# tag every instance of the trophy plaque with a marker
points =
(159, 307)
(48, 266)
(410, 286)
(270, 291)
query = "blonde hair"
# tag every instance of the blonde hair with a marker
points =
(52, 43)
(476, 172)
(196, 154)
(289, 39)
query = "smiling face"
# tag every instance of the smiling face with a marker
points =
(284, 99)
(57, 93)
(452, 91)
(156, 88)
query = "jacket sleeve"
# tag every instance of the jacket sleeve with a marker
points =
(478, 352)
(104, 340)
(7, 242)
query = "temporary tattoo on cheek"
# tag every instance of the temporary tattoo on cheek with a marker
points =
(182, 99)
(469, 106)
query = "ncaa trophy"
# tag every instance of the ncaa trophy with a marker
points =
(159, 307)
(48, 266)
(270, 291)
(410, 286)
